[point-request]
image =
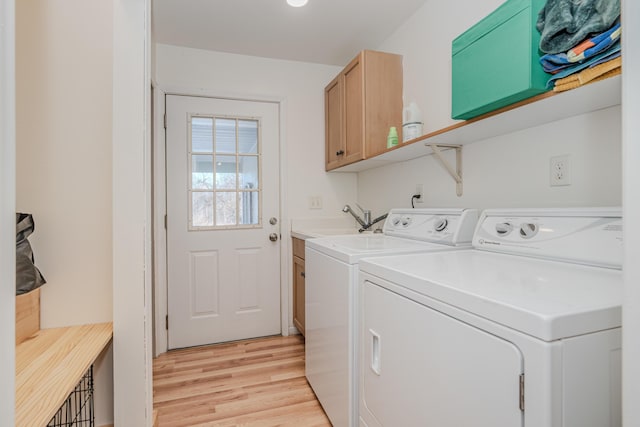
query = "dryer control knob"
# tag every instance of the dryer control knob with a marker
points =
(528, 230)
(441, 224)
(504, 228)
(406, 221)
(395, 221)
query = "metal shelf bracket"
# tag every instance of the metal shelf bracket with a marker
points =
(456, 173)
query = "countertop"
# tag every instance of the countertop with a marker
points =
(308, 228)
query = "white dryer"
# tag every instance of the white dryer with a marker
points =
(522, 330)
(331, 270)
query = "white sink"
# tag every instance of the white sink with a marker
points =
(322, 232)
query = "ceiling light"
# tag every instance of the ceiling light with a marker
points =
(296, 3)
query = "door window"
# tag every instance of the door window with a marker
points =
(224, 168)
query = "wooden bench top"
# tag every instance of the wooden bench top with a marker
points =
(49, 365)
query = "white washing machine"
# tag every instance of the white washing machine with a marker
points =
(522, 330)
(331, 267)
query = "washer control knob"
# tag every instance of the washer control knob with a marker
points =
(528, 230)
(504, 228)
(395, 221)
(441, 224)
(406, 221)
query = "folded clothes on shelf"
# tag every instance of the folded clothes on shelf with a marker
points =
(565, 23)
(553, 63)
(611, 53)
(601, 71)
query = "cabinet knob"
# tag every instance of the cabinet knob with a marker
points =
(339, 152)
(303, 274)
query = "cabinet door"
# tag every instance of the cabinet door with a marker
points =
(354, 111)
(334, 144)
(383, 109)
(298, 293)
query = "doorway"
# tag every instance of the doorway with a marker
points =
(223, 219)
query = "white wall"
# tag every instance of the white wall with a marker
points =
(7, 213)
(631, 200)
(511, 170)
(63, 57)
(64, 103)
(300, 84)
(424, 40)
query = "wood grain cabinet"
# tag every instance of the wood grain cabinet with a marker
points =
(298, 284)
(361, 104)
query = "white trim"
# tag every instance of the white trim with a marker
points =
(285, 238)
(160, 233)
(293, 330)
(7, 211)
(160, 203)
(133, 398)
(631, 206)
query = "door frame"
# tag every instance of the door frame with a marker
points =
(160, 203)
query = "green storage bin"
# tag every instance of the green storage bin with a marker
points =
(496, 62)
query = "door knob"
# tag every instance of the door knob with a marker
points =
(273, 237)
(273, 220)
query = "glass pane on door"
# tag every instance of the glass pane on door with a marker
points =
(248, 172)
(248, 136)
(201, 135)
(224, 180)
(202, 209)
(226, 208)
(225, 136)
(248, 207)
(202, 172)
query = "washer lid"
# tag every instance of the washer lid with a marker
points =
(351, 248)
(546, 299)
(405, 231)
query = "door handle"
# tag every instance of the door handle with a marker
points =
(375, 352)
(273, 237)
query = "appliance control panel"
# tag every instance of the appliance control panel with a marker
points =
(590, 236)
(449, 226)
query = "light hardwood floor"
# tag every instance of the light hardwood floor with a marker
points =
(257, 382)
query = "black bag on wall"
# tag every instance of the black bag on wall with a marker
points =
(28, 277)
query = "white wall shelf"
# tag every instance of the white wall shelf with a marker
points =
(541, 109)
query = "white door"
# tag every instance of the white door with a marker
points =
(222, 212)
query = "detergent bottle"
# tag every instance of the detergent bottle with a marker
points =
(411, 122)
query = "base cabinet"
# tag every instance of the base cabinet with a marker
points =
(298, 285)
(361, 104)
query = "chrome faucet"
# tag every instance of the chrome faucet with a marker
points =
(366, 221)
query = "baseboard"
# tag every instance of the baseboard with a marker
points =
(293, 331)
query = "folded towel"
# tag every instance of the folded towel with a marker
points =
(609, 54)
(590, 75)
(595, 45)
(565, 23)
(552, 63)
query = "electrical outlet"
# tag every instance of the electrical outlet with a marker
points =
(419, 191)
(559, 171)
(315, 202)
